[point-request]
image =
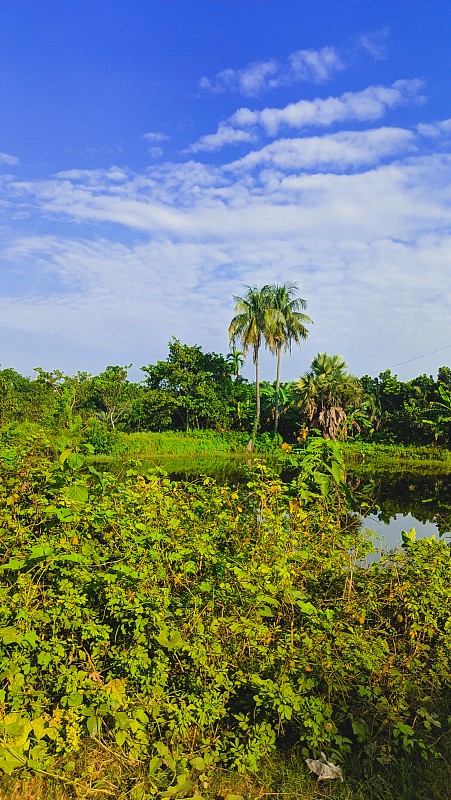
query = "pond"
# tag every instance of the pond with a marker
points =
(389, 500)
(400, 500)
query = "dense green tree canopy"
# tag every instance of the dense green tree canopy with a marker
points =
(193, 386)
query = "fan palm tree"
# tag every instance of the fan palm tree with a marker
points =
(251, 324)
(287, 325)
(327, 392)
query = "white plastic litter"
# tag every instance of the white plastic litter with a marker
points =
(325, 770)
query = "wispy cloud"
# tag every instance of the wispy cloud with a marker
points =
(10, 161)
(434, 129)
(375, 43)
(155, 136)
(224, 136)
(370, 104)
(155, 152)
(369, 238)
(250, 81)
(338, 151)
(304, 65)
(315, 66)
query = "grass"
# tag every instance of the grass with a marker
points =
(178, 443)
(283, 777)
(424, 457)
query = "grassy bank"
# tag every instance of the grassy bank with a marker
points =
(364, 453)
(283, 777)
(148, 445)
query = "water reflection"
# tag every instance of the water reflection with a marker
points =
(389, 501)
(392, 502)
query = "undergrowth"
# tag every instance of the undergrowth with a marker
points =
(194, 640)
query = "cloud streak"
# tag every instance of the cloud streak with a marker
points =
(313, 66)
(224, 137)
(370, 104)
(10, 161)
(338, 151)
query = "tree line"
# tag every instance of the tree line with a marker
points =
(193, 389)
(197, 390)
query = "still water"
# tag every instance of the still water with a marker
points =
(401, 500)
(389, 502)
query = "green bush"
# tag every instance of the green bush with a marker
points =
(183, 626)
(101, 439)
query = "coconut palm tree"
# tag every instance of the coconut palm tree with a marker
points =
(251, 324)
(236, 360)
(287, 325)
(327, 392)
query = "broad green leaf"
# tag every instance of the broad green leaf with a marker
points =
(172, 642)
(121, 737)
(408, 537)
(154, 764)
(198, 763)
(77, 493)
(337, 472)
(9, 635)
(122, 720)
(306, 608)
(40, 552)
(95, 472)
(13, 564)
(74, 699)
(141, 715)
(75, 460)
(65, 455)
(93, 725)
(11, 759)
(77, 558)
(17, 728)
(40, 728)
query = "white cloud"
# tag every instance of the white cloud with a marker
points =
(155, 152)
(338, 151)
(434, 129)
(367, 250)
(94, 177)
(375, 43)
(317, 66)
(138, 257)
(10, 161)
(202, 203)
(155, 136)
(369, 104)
(250, 81)
(223, 137)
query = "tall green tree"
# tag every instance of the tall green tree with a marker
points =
(114, 393)
(327, 393)
(191, 387)
(251, 324)
(287, 325)
(236, 361)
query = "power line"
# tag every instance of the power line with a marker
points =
(409, 360)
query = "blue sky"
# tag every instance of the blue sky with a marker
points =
(157, 157)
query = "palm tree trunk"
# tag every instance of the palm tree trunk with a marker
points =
(257, 399)
(276, 404)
